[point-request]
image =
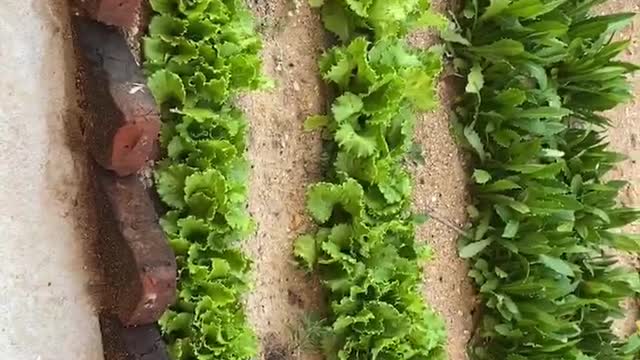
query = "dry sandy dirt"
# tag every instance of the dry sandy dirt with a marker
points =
(625, 138)
(286, 159)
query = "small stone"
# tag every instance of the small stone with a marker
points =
(296, 86)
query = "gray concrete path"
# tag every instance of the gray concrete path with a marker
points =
(45, 312)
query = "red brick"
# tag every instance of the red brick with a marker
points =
(122, 120)
(131, 343)
(123, 13)
(138, 264)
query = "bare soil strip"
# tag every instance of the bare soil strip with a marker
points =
(624, 136)
(440, 191)
(285, 161)
(625, 132)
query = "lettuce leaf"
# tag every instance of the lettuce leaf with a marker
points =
(198, 54)
(365, 250)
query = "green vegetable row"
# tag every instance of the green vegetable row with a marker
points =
(539, 72)
(365, 251)
(199, 53)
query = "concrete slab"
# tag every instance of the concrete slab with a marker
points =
(45, 309)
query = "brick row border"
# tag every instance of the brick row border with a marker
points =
(121, 125)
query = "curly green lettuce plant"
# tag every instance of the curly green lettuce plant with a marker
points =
(365, 251)
(199, 53)
(545, 213)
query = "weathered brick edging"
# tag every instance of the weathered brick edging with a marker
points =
(121, 124)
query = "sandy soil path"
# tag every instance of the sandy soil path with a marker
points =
(285, 161)
(440, 190)
(625, 133)
(624, 136)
